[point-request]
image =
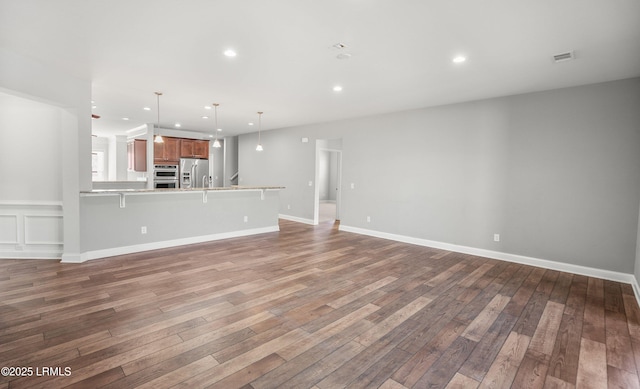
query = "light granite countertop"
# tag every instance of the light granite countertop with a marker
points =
(180, 190)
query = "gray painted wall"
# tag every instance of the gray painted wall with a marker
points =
(328, 174)
(230, 159)
(554, 173)
(217, 160)
(172, 216)
(637, 264)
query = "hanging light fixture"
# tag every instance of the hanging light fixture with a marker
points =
(259, 146)
(158, 138)
(216, 143)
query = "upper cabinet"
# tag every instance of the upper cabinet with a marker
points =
(167, 151)
(192, 148)
(172, 149)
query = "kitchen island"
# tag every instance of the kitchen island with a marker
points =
(122, 221)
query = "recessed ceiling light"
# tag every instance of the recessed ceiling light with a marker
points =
(230, 53)
(210, 136)
(125, 118)
(94, 106)
(147, 109)
(219, 129)
(205, 117)
(207, 107)
(178, 125)
(251, 124)
(459, 59)
(337, 88)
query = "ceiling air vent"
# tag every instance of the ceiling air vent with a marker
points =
(564, 57)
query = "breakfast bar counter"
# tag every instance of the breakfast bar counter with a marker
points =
(123, 221)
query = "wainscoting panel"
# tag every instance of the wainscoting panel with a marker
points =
(8, 229)
(31, 230)
(42, 230)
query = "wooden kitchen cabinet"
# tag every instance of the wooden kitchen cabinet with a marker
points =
(186, 148)
(137, 155)
(167, 151)
(192, 148)
(201, 149)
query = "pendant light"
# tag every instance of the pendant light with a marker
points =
(216, 143)
(158, 138)
(259, 146)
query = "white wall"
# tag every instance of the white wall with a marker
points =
(30, 141)
(100, 148)
(31, 184)
(118, 158)
(31, 80)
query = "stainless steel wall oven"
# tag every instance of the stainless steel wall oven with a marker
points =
(166, 177)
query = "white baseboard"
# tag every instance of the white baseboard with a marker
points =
(296, 219)
(30, 254)
(89, 255)
(543, 263)
(72, 258)
(636, 289)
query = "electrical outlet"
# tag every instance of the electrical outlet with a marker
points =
(496, 237)
(288, 206)
(368, 219)
(246, 219)
(353, 186)
(143, 230)
(310, 183)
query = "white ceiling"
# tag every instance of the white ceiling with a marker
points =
(401, 54)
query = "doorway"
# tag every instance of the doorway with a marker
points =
(328, 179)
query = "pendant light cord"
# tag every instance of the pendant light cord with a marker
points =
(259, 146)
(158, 137)
(158, 94)
(259, 126)
(215, 107)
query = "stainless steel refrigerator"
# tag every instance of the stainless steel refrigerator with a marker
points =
(194, 173)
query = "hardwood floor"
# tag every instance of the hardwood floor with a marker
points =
(312, 307)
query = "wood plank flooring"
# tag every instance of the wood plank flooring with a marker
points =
(313, 307)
